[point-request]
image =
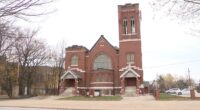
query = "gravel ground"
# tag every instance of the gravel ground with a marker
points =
(128, 103)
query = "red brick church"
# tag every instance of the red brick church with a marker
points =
(106, 69)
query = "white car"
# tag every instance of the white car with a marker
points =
(173, 91)
(186, 91)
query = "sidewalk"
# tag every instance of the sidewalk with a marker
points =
(128, 103)
(139, 98)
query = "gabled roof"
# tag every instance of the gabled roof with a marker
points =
(74, 74)
(130, 71)
(102, 37)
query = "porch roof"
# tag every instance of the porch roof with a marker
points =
(69, 74)
(129, 73)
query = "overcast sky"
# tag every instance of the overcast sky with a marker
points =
(166, 47)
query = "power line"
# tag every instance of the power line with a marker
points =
(173, 64)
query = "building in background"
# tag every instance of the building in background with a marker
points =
(44, 79)
(106, 69)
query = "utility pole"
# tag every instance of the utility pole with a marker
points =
(189, 78)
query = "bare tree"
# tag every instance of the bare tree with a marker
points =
(9, 78)
(31, 53)
(57, 63)
(7, 36)
(18, 9)
(22, 8)
(184, 9)
(60, 63)
(186, 12)
(8, 72)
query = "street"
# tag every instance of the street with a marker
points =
(19, 108)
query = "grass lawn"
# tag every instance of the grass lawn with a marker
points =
(100, 98)
(167, 97)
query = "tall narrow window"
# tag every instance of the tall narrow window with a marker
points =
(132, 25)
(74, 60)
(125, 24)
(130, 58)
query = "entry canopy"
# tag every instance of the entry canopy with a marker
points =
(129, 73)
(71, 75)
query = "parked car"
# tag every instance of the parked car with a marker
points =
(173, 91)
(186, 91)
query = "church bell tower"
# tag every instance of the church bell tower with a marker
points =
(130, 54)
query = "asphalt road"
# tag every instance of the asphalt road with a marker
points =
(17, 108)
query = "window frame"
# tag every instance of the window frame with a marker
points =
(125, 26)
(105, 63)
(132, 19)
(74, 60)
(130, 58)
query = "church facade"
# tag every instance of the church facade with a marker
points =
(105, 69)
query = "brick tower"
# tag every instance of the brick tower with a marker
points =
(130, 55)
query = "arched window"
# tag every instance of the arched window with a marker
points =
(132, 25)
(125, 24)
(74, 60)
(102, 62)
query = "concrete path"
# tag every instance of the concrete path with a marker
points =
(139, 98)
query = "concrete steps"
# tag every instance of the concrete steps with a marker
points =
(130, 91)
(68, 92)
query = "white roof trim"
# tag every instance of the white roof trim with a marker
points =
(129, 69)
(135, 67)
(129, 40)
(68, 72)
(78, 69)
(122, 75)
